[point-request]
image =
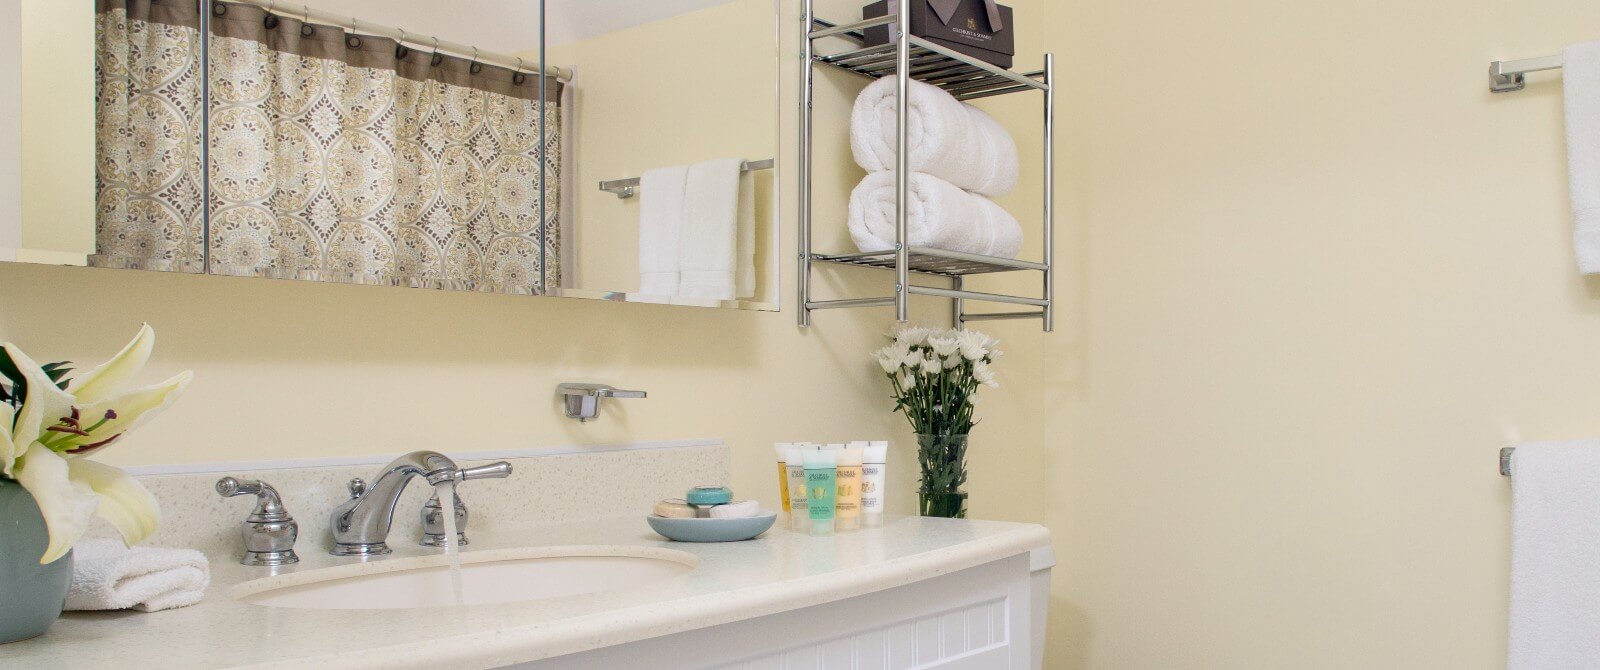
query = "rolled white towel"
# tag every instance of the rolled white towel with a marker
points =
(946, 138)
(938, 215)
(109, 576)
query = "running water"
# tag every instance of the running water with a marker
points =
(446, 490)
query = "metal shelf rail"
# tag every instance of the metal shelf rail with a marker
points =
(966, 78)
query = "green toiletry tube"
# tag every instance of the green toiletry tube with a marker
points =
(821, 489)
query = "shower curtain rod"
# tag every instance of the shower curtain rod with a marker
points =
(414, 40)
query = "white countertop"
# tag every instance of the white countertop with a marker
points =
(780, 571)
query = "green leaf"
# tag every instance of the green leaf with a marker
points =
(58, 373)
(19, 383)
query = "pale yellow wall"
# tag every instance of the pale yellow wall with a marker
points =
(290, 369)
(1319, 268)
(692, 87)
(57, 130)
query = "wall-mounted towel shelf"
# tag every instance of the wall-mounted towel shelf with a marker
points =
(1507, 75)
(627, 188)
(964, 77)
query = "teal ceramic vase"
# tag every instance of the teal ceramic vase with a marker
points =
(34, 594)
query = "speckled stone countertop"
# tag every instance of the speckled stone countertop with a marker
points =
(780, 571)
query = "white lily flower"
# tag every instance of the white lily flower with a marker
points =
(54, 430)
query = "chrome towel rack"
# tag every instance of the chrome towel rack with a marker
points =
(627, 188)
(1506, 76)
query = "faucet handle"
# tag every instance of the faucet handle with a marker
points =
(269, 532)
(358, 488)
(499, 470)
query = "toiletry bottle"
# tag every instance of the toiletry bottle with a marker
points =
(848, 498)
(874, 468)
(782, 450)
(821, 470)
(794, 464)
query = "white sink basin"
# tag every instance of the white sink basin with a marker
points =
(485, 578)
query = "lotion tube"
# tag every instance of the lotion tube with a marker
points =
(794, 468)
(874, 468)
(782, 450)
(848, 486)
(821, 467)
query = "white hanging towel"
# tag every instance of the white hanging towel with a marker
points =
(1581, 81)
(716, 256)
(1555, 556)
(109, 576)
(661, 194)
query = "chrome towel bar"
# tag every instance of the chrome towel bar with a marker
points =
(1506, 76)
(627, 188)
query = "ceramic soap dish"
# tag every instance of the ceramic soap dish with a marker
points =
(712, 530)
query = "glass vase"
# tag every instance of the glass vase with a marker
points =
(944, 471)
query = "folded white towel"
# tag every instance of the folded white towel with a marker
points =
(716, 256)
(1581, 81)
(938, 215)
(1555, 556)
(109, 576)
(661, 193)
(946, 138)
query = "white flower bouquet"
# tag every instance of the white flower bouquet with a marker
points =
(936, 375)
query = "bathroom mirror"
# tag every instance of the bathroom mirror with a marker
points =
(475, 145)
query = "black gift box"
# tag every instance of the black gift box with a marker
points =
(977, 28)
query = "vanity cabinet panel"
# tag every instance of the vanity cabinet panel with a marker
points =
(974, 619)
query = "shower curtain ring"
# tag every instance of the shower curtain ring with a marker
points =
(437, 59)
(476, 66)
(520, 76)
(271, 19)
(305, 21)
(351, 39)
(400, 48)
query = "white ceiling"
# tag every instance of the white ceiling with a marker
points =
(510, 26)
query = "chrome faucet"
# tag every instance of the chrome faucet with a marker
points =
(361, 524)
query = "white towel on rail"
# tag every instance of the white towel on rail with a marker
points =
(938, 215)
(945, 137)
(109, 576)
(1555, 556)
(1581, 81)
(661, 193)
(716, 256)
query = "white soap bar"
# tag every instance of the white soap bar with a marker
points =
(737, 509)
(675, 508)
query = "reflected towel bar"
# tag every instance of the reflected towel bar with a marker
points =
(1507, 76)
(627, 188)
(1505, 460)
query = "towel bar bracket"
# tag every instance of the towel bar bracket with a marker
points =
(1505, 460)
(1505, 82)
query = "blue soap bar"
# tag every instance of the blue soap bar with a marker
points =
(709, 495)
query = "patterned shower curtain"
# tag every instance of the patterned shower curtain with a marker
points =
(343, 157)
(148, 136)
